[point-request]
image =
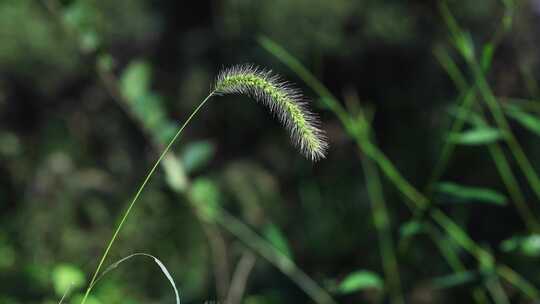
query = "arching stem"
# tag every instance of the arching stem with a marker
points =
(137, 194)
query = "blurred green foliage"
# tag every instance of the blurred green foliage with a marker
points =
(91, 90)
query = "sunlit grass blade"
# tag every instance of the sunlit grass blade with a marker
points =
(478, 136)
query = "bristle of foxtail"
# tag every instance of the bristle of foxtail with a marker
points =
(283, 100)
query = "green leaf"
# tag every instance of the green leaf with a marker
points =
(135, 80)
(89, 41)
(411, 228)
(465, 45)
(511, 244)
(468, 194)
(197, 155)
(65, 276)
(150, 109)
(476, 136)
(165, 131)
(487, 55)
(277, 239)
(175, 174)
(360, 280)
(146, 105)
(455, 279)
(528, 121)
(105, 62)
(79, 15)
(469, 116)
(525, 245)
(205, 193)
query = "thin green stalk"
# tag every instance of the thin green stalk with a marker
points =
(137, 194)
(382, 223)
(274, 256)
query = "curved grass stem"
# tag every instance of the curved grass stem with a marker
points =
(137, 194)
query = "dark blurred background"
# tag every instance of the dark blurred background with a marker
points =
(91, 89)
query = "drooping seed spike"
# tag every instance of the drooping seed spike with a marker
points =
(282, 99)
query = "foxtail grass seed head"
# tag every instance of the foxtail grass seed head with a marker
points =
(283, 100)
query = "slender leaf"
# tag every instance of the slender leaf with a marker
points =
(454, 280)
(156, 260)
(525, 245)
(135, 80)
(528, 121)
(471, 194)
(276, 237)
(476, 136)
(469, 116)
(360, 280)
(411, 228)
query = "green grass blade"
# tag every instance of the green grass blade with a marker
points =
(468, 193)
(477, 136)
